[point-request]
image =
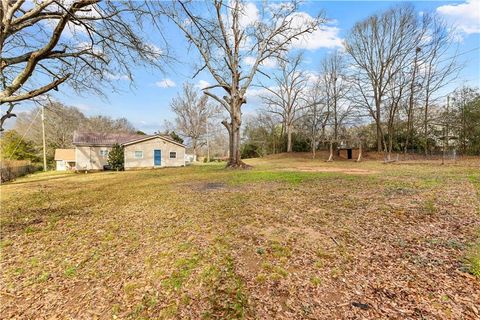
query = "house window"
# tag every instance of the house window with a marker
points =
(138, 154)
(173, 155)
(104, 153)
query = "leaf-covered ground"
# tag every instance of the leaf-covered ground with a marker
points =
(290, 239)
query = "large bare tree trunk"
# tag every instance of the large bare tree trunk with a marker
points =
(314, 147)
(194, 147)
(289, 138)
(359, 153)
(425, 126)
(379, 129)
(410, 102)
(330, 158)
(233, 127)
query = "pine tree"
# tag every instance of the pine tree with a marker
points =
(15, 148)
(116, 158)
(175, 137)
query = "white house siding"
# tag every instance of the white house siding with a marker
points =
(89, 158)
(61, 165)
(148, 148)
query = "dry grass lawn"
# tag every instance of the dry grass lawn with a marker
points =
(292, 238)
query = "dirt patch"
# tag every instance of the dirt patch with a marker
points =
(205, 186)
(328, 169)
(213, 185)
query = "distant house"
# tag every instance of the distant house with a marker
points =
(141, 151)
(64, 159)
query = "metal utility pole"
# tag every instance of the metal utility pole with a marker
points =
(43, 137)
(208, 143)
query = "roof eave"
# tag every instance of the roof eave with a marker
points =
(153, 137)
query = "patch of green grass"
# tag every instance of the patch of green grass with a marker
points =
(323, 254)
(5, 243)
(139, 310)
(183, 268)
(429, 206)
(70, 271)
(290, 177)
(316, 281)
(473, 259)
(273, 272)
(34, 262)
(44, 276)
(227, 299)
(475, 180)
(29, 229)
(429, 183)
(279, 250)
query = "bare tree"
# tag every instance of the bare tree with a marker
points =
(84, 43)
(192, 113)
(285, 98)
(108, 125)
(336, 88)
(410, 106)
(392, 104)
(435, 69)
(466, 119)
(225, 35)
(379, 47)
(316, 114)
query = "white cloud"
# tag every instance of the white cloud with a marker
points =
(165, 83)
(256, 92)
(201, 84)
(154, 51)
(112, 76)
(327, 36)
(267, 63)
(312, 77)
(249, 61)
(249, 15)
(73, 29)
(466, 16)
(254, 95)
(88, 46)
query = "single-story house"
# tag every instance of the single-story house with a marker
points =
(64, 159)
(141, 151)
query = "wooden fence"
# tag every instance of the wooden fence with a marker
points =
(11, 169)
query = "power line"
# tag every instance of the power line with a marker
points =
(458, 55)
(24, 134)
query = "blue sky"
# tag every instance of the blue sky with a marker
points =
(146, 104)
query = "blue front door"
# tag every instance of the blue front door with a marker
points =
(157, 157)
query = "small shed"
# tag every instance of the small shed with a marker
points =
(348, 153)
(65, 159)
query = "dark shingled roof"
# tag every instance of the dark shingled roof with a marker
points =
(104, 139)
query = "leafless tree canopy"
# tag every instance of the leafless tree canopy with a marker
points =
(192, 111)
(395, 54)
(225, 35)
(84, 43)
(286, 97)
(380, 46)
